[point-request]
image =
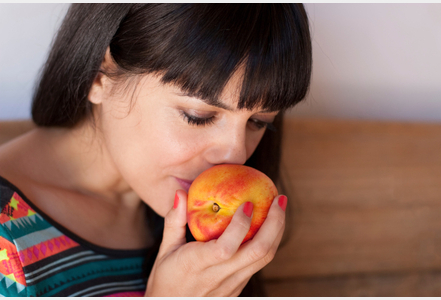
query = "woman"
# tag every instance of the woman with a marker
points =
(134, 102)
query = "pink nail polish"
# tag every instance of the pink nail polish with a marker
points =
(175, 205)
(282, 202)
(248, 209)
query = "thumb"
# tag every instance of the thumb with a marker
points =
(174, 225)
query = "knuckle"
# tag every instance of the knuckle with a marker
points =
(222, 253)
(243, 224)
(168, 222)
(258, 252)
(269, 257)
(279, 220)
(280, 216)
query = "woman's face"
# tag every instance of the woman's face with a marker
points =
(160, 140)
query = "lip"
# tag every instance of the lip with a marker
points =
(184, 183)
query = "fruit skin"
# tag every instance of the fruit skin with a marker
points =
(228, 186)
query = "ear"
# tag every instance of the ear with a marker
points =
(101, 84)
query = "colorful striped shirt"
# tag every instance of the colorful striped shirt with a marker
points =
(39, 257)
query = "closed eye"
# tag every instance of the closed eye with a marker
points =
(257, 124)
(198, 121)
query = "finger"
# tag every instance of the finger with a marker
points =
(174, 225)
(227, 244)
(249, 270)
(274, 223)
(259, 251)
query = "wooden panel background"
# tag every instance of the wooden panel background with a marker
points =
(365, 210)
(364, 206)
(12, 129)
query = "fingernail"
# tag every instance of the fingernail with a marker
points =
(175, 205)
(248, 209)
(282, 202)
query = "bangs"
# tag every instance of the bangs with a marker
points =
(204, 45)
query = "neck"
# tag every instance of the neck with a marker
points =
(77, 159)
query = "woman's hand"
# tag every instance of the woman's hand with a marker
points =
(219, 267)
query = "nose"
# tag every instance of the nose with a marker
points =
(228, 148)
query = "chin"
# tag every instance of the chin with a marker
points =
(161, 210)
(161, 205)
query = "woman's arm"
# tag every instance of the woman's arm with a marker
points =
(12, 129)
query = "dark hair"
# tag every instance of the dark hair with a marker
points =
(197, 47)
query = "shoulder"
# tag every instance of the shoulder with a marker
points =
(20, 219)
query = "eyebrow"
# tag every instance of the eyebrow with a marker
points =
(217, 103)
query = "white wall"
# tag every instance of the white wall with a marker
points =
(375, 61)
(371, 61)
(26, 31)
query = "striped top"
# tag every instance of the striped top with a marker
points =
(39, 257)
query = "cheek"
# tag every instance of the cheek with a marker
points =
(148, 151)
(146, 146)
(253, 140)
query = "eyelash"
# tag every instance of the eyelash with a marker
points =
(192, 120)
